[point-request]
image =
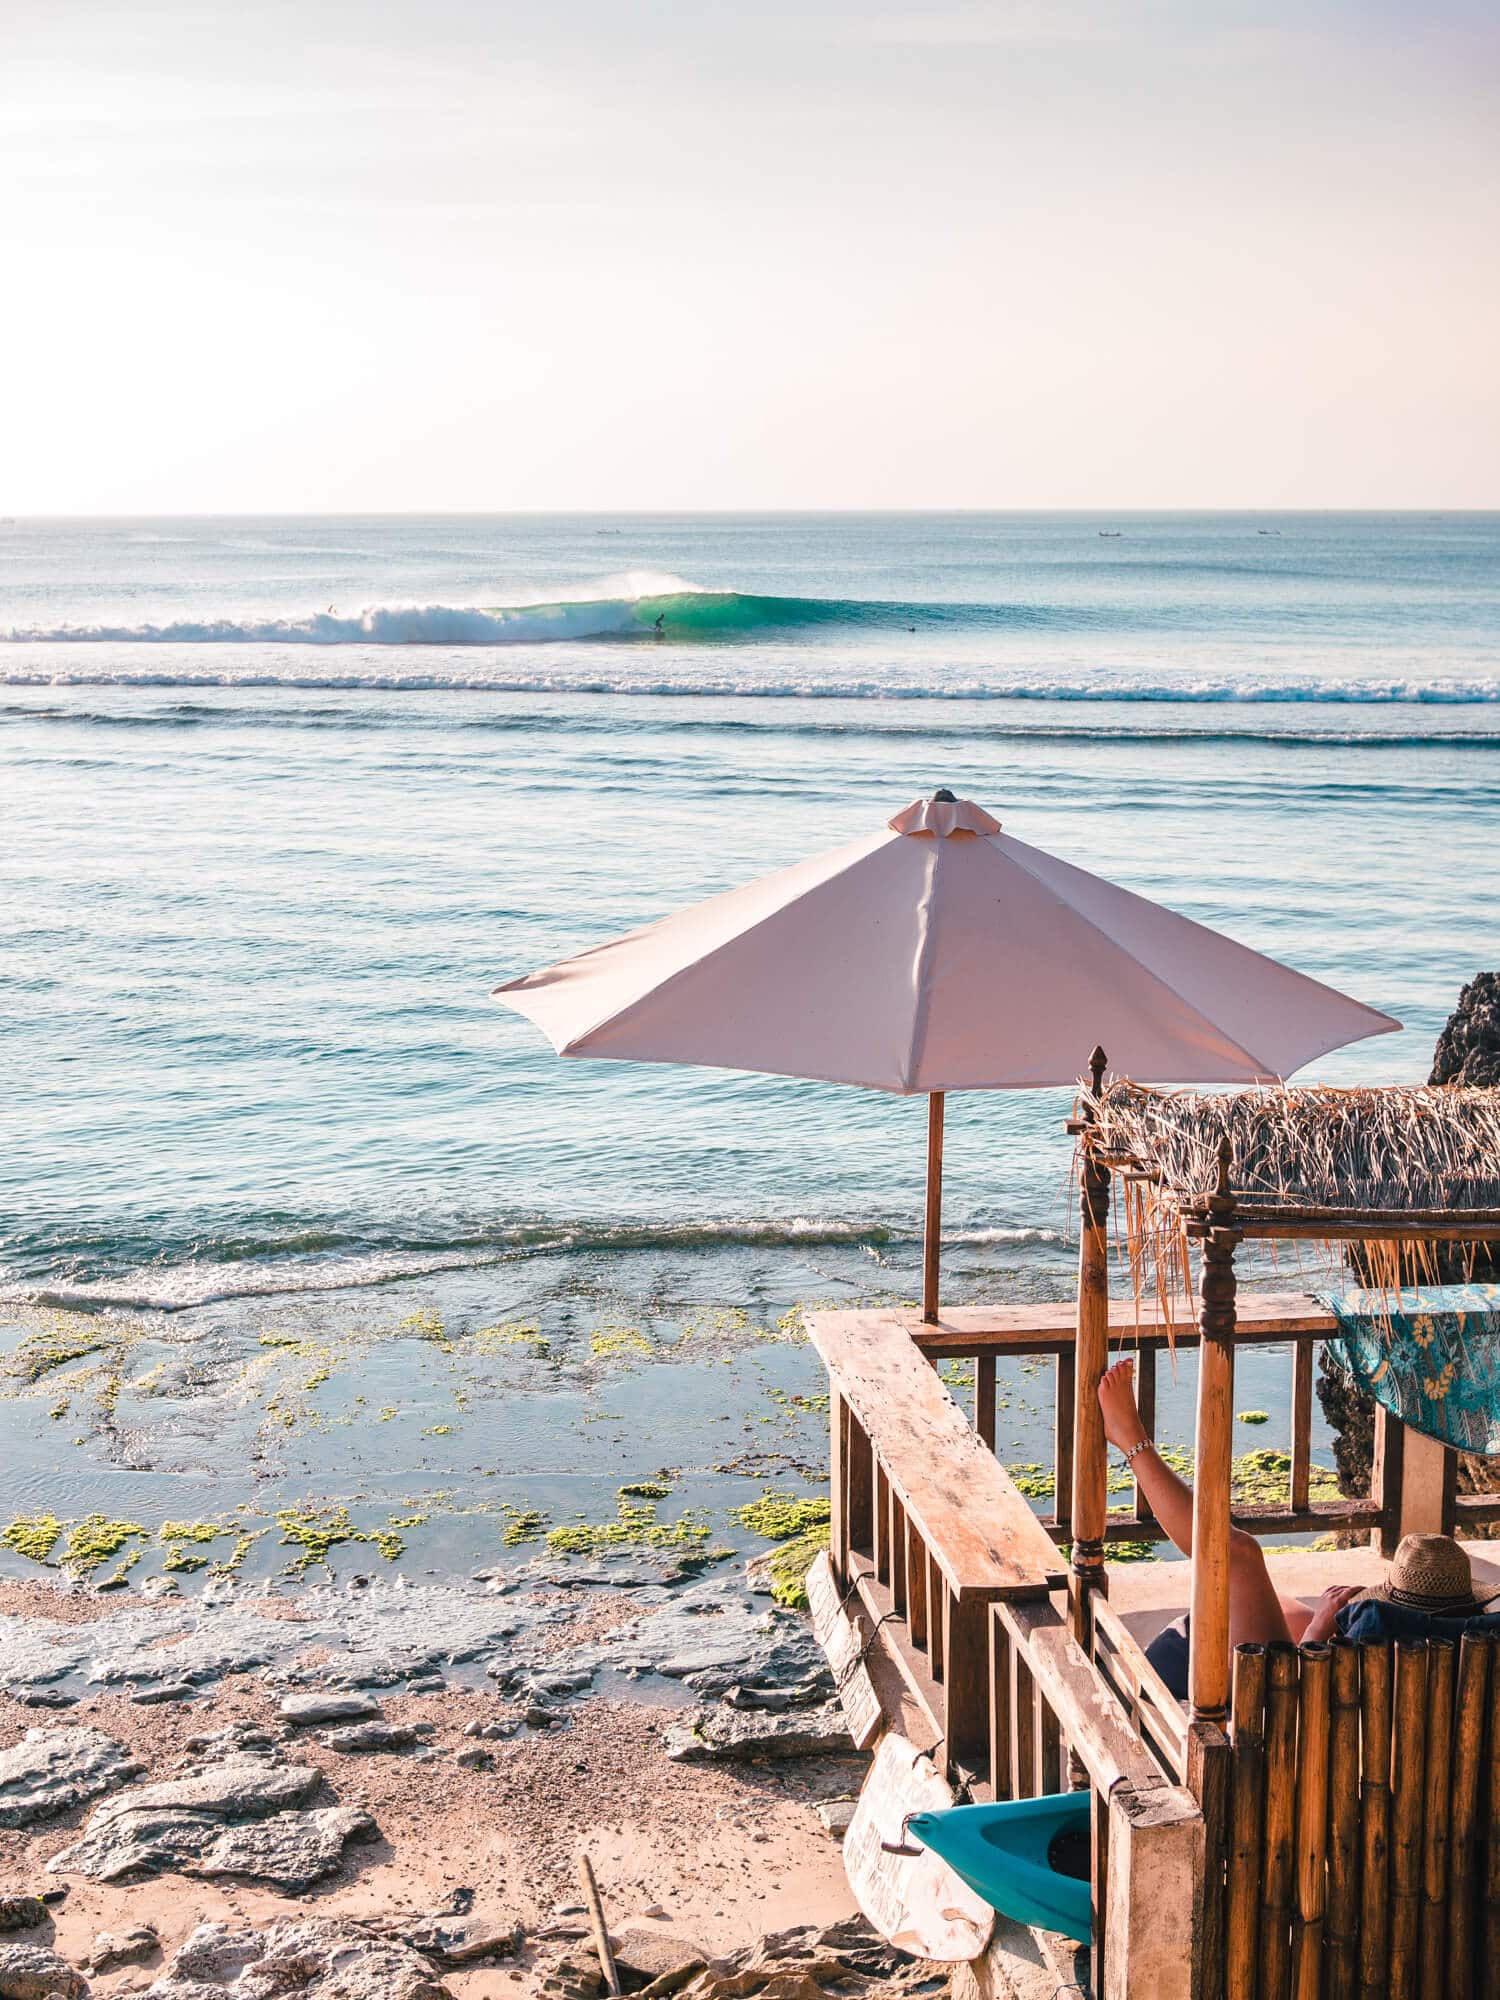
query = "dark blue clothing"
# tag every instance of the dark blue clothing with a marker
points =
(1379, 1618)
(1373, 1618)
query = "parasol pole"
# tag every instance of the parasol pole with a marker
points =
(932, 1247)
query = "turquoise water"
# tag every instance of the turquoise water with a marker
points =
(283, 799)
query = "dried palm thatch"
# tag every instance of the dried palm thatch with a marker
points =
(1397, 1148)
(1308, 1149)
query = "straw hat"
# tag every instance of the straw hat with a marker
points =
(1431, 1573)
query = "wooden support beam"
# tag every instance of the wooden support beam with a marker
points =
(932, 1241)
(1145, 1402)
(1063, 1420)
(1086, 1573)
(1412, 1477)
(859, 1492)
(984, 1399)
(1208, 1666)
(838, 1488)
(1302, 1409)
(966, 1685)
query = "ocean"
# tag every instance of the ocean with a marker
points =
(282, 799)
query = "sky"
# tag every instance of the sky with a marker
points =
(297, 255)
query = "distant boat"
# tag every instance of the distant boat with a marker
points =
(1111, 534)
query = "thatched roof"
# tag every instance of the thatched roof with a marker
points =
(1394, 1149)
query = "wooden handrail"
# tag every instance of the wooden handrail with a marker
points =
(1263, 1319)
(975, 1526)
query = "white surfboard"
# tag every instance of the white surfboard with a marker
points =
(913, 1899)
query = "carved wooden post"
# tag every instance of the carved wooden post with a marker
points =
(1208, 1664)
(1090, 1471)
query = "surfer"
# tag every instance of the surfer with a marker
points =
(660, 627)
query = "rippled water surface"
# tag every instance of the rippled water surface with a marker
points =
(282, 800)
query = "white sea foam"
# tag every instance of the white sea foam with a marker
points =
(1238, 689)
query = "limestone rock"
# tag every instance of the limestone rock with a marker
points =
(29, 1972)
(171, 1824)
(371, 1736)
(843, 1962)
(664, 1961)
(19, 1913)
(320, 1959)
(51, 1770)
(110, 1950)
(729, 1735)
(293, 1849)
(304, 1709)
(460, 1940)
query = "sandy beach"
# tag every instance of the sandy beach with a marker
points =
(715, 1854)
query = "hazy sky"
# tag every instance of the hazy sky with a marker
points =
(390, 254)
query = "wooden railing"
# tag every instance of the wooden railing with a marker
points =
(927, 1528)
(939, 1616)
(1412, 1485)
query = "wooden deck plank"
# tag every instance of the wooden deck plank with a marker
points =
(975, 1525)
(1049, 1329)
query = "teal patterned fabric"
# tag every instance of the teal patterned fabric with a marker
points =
(1429, 1354)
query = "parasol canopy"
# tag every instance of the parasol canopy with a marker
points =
(939, 953)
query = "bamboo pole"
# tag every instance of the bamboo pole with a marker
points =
(601, 1933)
(932, 1244)
(1489, 1933)
(1465, 1843)
(1314, 1696)
(1442, 1660)
(1206, 1774)
(1281, 1799)
(1341, 1925)
(1246, 1798)
(1374, 1814)
(1090, 1464)
(1208, 1661)
(1408, 1770)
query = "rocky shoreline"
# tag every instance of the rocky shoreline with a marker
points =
(387, 1786)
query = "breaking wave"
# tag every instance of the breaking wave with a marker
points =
(641, 606)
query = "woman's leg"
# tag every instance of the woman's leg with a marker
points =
(1256, 1614)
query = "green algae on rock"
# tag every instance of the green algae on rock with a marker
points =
(93, 1540)
(635, 1526)
(522, 1524)
(780, 1516)
(317, 1530)
(605, 1342)
(789, 1563)
(34, 1536)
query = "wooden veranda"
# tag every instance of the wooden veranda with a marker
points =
(1322, 1820)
